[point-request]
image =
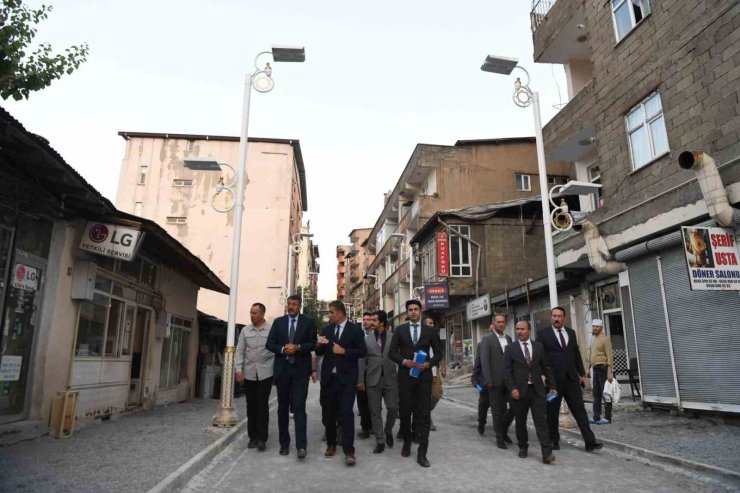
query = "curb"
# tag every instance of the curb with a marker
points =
(707, 471)
(176, 480)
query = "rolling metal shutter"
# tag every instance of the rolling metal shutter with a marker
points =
(629, 330)
(704, 328)
(656, 371)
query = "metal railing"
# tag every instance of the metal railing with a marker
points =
(540, 8)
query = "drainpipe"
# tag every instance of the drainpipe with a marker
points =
(711, 185)
(477, 257)
(598, 251)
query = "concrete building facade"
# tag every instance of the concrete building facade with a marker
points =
(359, 260)
(342, 252)
(308, 263)
(156, 182)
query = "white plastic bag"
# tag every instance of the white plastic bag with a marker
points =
(612, 391)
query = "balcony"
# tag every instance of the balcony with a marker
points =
(410, 219)
(397, 276)
(559, 31)
(571, 133)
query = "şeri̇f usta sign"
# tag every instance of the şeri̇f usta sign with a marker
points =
(712, 257)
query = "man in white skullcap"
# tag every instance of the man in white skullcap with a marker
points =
(601, 362)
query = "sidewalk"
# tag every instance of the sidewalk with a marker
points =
(709, 440)
(132, 453)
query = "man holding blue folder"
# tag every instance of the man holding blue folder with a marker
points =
(415, 387)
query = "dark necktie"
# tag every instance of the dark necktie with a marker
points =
(291, 336)
(527, 356)
(336, 333)
(379, 341)
(562, 339)
(416, 334)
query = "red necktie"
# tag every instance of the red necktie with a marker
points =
(562, 339)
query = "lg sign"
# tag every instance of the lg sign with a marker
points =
(99, 233)
(111, 240)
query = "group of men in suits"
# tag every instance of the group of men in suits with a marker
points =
(534, 376)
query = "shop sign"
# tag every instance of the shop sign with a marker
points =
(25, 277)
(111, 240)
(478, 308)
(10, 368)
(436, 295)
(443, 254)
(713, 258)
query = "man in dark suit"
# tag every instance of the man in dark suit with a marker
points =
(415, 394)
(564, 358)
(341, 345)
(363, 406)
(492, 369)
(484, 403)
(525, 372)
(292, 338)
(379, 377)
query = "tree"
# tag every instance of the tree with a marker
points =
(312, 308)
(21, 74)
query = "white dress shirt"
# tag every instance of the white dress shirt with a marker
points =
(557, 335)
(502, 341)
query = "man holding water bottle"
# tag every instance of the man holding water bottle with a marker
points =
(411, 346)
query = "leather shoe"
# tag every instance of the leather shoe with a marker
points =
(422, 460)
(481, 428)
(556, 445)
(501, 445)
(284, 451)
(363, 434)
(406, 449)
(261, 445)
(507, 439)
(548, 459)
(379, 448)
(590, 447)
(301, 453)
(331, 451)
(389, 439)
(523, 453)
(350, 459)
(252, 444)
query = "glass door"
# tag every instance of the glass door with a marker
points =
(138, 347)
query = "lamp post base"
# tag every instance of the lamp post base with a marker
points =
(226, 415)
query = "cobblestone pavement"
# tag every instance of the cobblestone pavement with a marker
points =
(132, 453)
(707, 440)
(461, 461)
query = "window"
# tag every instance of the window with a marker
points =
(594, 176)
(460, 251)
(190, 146)
(557, 180)
(429, 260)
(646, 131)
(91, 327)
(523, 183)
(175, 352)
(138, 209)
(182, 183)
(177, 220)
(627, 14)
(143, 170)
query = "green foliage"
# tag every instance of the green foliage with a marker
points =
(312, 308)
(22, 72)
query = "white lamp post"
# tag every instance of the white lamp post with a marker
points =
(524, 97)
(262, 81)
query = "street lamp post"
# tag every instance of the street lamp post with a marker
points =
(262, 81)
(524, 97)
(294, 248)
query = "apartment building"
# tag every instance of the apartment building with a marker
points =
(359, 260)
(172, 178)
(653, 117)
(308, 263)
(342, 271)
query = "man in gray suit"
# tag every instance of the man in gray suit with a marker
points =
(492, 349)
(378, 376)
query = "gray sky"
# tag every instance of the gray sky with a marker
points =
(379, 78)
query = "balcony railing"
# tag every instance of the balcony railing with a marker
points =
(540, 8)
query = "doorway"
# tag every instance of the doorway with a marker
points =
(135, 342)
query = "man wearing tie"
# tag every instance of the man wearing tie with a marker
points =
(292, 338)
(363, 406)
(415, 394)
(525, 372)
(379, 377)
(492, 349)
(342, 345)
(564, 357)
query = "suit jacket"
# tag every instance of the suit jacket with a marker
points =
(476, 376)
(565, 362)
(305, 337)
(374, 364)
(403, 347)
(517, 372)
(353, 342)
(492, 360)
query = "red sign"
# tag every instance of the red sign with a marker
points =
(443, 254)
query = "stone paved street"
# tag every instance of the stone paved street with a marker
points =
(461, 461)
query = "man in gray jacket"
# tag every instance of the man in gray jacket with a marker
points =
(378, 376)
(492, 370)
